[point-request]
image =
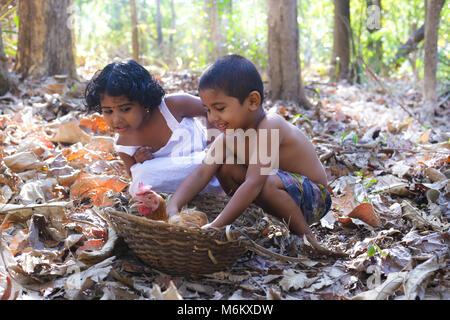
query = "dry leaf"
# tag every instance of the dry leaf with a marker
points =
(70, 132)
(79, 281)
(5, 193)
(19, 241)
(7, 291)
(392, 185)
(22, 161)
(273, 294)
(420, 220)
(38, 191)
(416, 280)
(102, 250)
(95, 123)
(295, 280)
(424, 137)
(366, 214)
(383, 291)
(95, 187)
(435, 175)
(170, 294)
(102, 144)
(90, 245)
(53, 88)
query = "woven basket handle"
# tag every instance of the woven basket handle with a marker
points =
(256, 248)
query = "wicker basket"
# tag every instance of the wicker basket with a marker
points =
(178, 250)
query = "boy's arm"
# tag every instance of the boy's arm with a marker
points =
(190, 187)
(255, 178)
(242, 198)
(198, 179)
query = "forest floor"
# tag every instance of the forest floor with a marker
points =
(387, 171)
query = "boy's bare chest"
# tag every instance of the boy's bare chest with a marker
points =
(243, 150)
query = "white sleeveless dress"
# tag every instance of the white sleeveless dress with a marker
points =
(171, 164)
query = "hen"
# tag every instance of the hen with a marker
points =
(150, 204)
(189, 218)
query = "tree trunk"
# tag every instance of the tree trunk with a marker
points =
(213, 28)
(341, 40)
(5, 80)
(284, 68)
(134, 32)
(431, 54)
(173, 22)
(45, 45)
(159, 23)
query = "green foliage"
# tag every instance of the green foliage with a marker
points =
(373, 249)
(298, 115)
(9, 22)
(103, 32)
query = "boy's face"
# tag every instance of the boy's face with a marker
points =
(226, 112)
(121, 114)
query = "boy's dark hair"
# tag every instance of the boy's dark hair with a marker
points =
(124, 78)
(235, 76)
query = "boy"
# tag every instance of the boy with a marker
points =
(232, 93)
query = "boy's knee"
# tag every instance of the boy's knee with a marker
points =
(272, 184)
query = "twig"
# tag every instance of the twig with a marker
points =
(372, 73)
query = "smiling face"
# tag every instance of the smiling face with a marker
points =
(122, 115)
(226, 112)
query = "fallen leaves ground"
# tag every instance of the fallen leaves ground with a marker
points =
(388, 173)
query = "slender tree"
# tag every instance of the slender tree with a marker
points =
(45, 45)
(213, 28)
(173, 21)
(431, 55)
(5, 80)
(341, 40)
(159, 23)
(134, 32)
(284, 68)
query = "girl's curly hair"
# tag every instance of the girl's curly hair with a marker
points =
(124, 78)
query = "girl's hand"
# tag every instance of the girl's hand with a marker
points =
(143, 154)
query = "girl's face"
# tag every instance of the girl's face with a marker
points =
(122, 115)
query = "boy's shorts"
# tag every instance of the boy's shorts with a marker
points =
(313, 199)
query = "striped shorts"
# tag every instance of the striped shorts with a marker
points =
(313, 199)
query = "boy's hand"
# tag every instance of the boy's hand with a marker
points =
(171, 210)
(142, 154)
(206, 226)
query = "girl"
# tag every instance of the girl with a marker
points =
(157, 136)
